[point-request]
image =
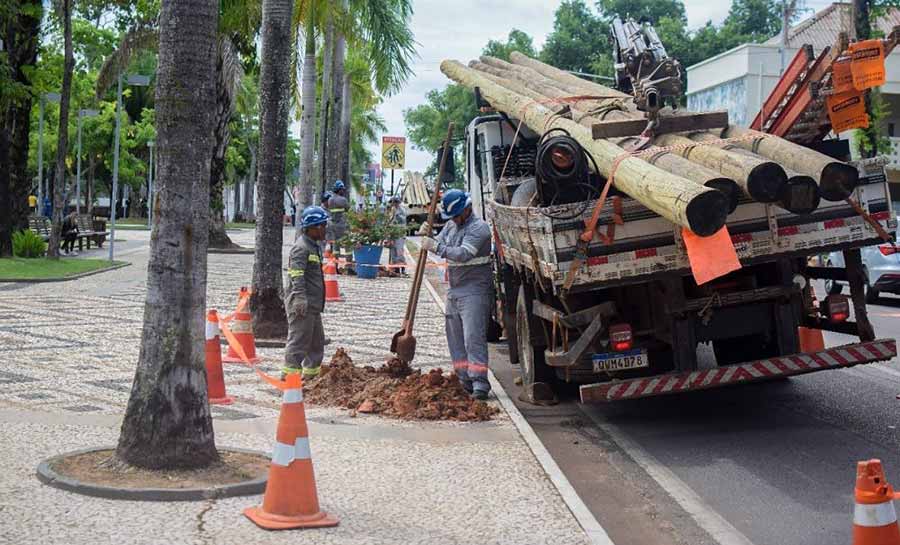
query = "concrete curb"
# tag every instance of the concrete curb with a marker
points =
(241, 251)
(49, 477)
(589, 524)
(64, 278)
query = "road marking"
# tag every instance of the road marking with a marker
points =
(713, 523)
(591, 526)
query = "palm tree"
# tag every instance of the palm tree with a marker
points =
(64, 11)
(167, 423)
(308, 104)
(269, 320)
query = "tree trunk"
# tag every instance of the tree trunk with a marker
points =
(6, 227)
(90, 186)
(21, 36)
(308, 186)
(325, 112)
(250, 185)
(218, 238)
(333, 153)
(346, 114)
(269, 319)
(167, 423)
(237, 201)
(62, 143)
(679, 200)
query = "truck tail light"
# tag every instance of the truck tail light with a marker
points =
(888, 249)
(836, 308)
(620, 337)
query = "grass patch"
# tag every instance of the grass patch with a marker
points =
(17, 268)
(131, 226)
(240, 225)
(131, 221)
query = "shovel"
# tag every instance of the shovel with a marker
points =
(403, 343)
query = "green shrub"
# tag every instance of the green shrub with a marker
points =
(27, 243)
(370, 226)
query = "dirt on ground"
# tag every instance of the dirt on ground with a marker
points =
(101, 467)
(394, 389)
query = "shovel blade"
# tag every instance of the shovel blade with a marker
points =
(405, 348)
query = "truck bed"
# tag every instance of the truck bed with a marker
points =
(647, 244)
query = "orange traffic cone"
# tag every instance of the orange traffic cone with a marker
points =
(291, 499)
(215, 377)
(811, 340)
(332, 291)
(874, 517)
(242, 328)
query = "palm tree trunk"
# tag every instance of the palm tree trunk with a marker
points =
(218, 238)
(333, 147)
(324, 108)
(250, 185)
(237, 201)
(167, 423)
(269, 319)
(62, 142)
(307, 117)
(346, 113)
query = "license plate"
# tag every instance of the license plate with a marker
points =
(617, 361)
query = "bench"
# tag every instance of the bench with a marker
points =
(86, 230)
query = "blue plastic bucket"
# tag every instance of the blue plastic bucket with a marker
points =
(368, 258)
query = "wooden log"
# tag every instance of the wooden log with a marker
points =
(762, 180)
(837, 180)
(681, 201)
(800, 194)
(538, 90)
(573, 83)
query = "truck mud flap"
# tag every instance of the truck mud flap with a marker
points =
(782, 366)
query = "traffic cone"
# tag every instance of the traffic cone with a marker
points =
(242, 328)
(332, 291)
(811, 340)
(874, 517)
(291, 500)
(215, 377)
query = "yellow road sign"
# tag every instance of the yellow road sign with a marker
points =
(393, 152)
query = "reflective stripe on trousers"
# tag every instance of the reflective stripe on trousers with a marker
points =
(466, 326)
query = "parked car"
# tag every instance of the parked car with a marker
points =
(882, 266)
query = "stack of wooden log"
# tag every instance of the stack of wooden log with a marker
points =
(693, 178)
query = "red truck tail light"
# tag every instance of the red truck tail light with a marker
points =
(836, 308)
(620, 337)
(888, 249)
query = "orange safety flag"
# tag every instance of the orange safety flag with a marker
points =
(712, 256)
(841, 77)
(847, 111)
(867, 64)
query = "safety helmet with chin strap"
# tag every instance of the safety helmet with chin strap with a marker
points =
(454, 203)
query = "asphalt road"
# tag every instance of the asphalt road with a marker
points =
(762, 464)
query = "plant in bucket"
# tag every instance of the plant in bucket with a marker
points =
(367, 230)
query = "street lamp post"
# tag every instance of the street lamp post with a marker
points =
(136, 80)
(81, 115)
(52, 97)
(150, 145)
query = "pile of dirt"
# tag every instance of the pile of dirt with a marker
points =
(394, 389)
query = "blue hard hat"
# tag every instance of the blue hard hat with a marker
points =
(313, 215)
(327, 195)
(339, 185)
(454, 203)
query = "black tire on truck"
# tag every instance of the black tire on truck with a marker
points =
(532, 365)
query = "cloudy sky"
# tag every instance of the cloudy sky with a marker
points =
(460, 29)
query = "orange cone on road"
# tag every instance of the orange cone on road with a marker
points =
(332, 291)
(811, 340)
(215, 376)
(241, 327)
(291, 499)
(874, 517)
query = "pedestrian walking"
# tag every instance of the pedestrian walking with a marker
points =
(465, 242)
(32, 205)
(70, 233)
(48, 207)
(396, 247)
(337, 208)
(305, 299)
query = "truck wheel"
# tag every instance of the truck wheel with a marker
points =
(531, 362)
(512, 337)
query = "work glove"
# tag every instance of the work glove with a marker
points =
(423, 230)
(429, 244)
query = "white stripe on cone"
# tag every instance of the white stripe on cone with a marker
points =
(874, 515)
(284, 454)
(212, 330)
(293, 395)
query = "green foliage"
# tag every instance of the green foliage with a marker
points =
(575, 42)
(516, 41)
(370, 226)
(654, 10)
(28, 244)
(874, 140)
(758, 18)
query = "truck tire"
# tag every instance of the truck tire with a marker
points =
(532, 365)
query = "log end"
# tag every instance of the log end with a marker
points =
(838, 181)
(706, 212)
(766, 182)
(800, 195)
(729, 188)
